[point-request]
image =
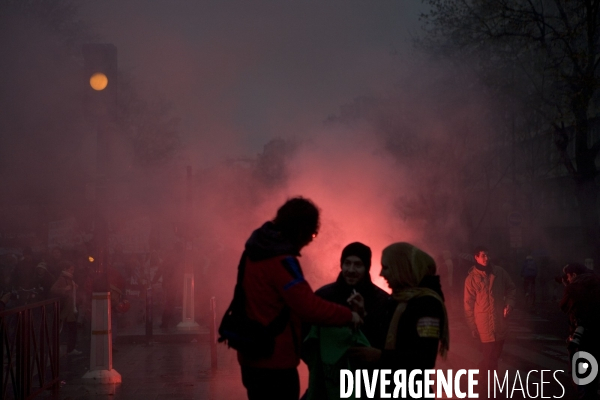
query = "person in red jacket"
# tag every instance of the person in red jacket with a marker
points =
(273, 282)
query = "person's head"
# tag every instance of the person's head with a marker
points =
(404, 265)
(67, 266)
(56, 253)
(41, 269)
(298, 221)
(355, 262)
(481, 255)
(573, 270)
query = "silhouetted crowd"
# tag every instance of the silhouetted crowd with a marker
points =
(31, 277)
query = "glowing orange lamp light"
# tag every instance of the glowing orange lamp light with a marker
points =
(98, 81)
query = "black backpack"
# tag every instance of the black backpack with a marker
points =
(248, 336)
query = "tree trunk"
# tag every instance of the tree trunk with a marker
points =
(586, 187)
(587, 197)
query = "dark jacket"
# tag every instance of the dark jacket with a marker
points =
(581, 302)
(414, 349)
(377, 303)
(273, 280)
(43, 284)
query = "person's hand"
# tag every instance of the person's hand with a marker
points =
(5, 298)
(356, 320)
(357, 302)
(507, 310)
(364, 354)
(475, 335)
(68, 288)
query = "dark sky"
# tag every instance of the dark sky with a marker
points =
(242, 72)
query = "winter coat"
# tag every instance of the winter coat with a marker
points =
(377, 303)
(274, 280)
(68, 310)
(418, 332)
(581, 302)
(485, 297)
(44, 284)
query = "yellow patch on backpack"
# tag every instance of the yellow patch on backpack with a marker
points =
(428, 327)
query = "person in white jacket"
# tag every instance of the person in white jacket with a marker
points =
(489, 298)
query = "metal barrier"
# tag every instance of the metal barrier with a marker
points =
(29, 350)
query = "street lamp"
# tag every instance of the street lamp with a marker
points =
(98, 81)
(100, 100)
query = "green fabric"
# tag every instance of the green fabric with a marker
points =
(325, 355)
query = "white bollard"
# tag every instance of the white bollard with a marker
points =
(101, 370)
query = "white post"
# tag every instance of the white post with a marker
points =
(187, 316)
(101, 370)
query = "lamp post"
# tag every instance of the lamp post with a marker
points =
(100, 101)
(188, 322)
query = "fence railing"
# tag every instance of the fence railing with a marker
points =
(29, 350)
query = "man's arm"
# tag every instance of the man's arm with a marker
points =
(469, 303)
(299, 296)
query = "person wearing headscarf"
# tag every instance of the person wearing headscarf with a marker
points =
(418, 329)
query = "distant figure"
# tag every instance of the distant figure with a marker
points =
(529, 272)
(581, 302)
(171, 272)
(489, 298)
(43, 281)
(448, 269)
(589, 263)
(66, 289)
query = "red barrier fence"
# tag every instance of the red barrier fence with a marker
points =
(29, 350)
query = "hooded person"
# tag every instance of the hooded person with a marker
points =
(43, 280)
(66, 288)
(418, 329)
(355, 264)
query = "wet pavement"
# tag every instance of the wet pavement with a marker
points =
(160, 370)
(179, 366)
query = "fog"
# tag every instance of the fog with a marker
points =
(264, 102)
